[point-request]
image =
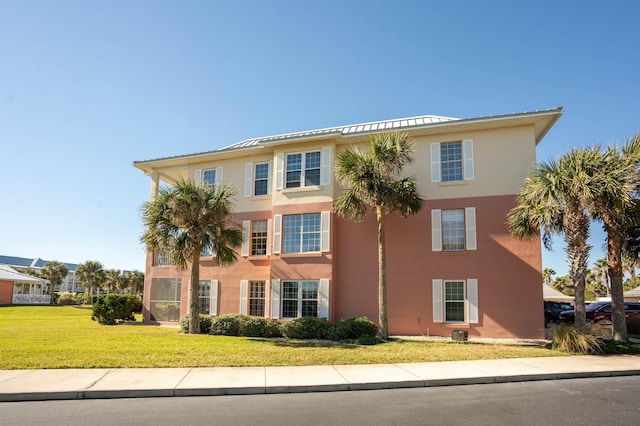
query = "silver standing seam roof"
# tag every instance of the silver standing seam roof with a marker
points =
(424, 121)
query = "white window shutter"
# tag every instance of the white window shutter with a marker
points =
(269, 172)
(470, 225)
(325, 171)
(248, 179)
(269, 237)
(437, 300)
(279, 170)
(472, 296)
(197, 176)
(275, 299)
(213, 308)
(323, 292)
(436, 231)
(467, 152)
(218, 176)
(325, 221)
(244, 292)
(435, 162)
(277, 233)
(246, 240)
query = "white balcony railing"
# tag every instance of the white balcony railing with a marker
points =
(162, 259)
(31, 299)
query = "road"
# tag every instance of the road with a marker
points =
(561, 402)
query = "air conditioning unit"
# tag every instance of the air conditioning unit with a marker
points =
(459, 335)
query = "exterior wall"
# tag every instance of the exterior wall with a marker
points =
(508, 273)
(6, 292)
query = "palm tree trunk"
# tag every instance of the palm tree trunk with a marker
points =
(576, 227)
(194, 295)
(614, 248)
(382, 276)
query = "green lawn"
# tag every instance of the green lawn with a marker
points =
(65, 337)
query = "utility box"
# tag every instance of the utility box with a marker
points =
(459, 335)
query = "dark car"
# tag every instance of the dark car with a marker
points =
(601, 311)
(552, 310)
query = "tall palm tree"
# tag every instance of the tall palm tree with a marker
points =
(91, 273)
(619, 180)
(113, 279)
(185, 219)
(372, 183)
(555, 199)
(547, 276)
(135, 279)
(55, 272)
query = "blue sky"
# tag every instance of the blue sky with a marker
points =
(87, 87)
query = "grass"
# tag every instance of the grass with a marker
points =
(34, 337)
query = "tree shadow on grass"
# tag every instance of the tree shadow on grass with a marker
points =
(311, 343)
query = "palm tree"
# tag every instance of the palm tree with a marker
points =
(555, 199)
(135, 279)
(91, 273)
(113, 279)
(185, 219)
(615, 203)
(55, 272)
(371, 181)
(547, 276)
(601, 269)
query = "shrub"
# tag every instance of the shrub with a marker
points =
(566, 338)
(273, 329)
(633, 325)
(226, 325)
(67, 298)
(251, 326)
(368, 340)
(354, 328)
(308, 328)
(111, 307)
(204, 323)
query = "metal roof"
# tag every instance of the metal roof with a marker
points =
(400, 124)
(7, 273)
(37, 262)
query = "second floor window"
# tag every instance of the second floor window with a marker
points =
(301, 233)
(303, 169)
(453, 230)
(261, 179)
(259, 237)
(209, 177)
(451, 161)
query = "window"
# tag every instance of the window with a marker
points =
(205, 297)
(455, 301)
(303, 169)
(299, 299)
(209, 177)
(256, 298)
(452, 161)
(206, 252)
(259, 237)
(301, 233)
(261, 179)
(453, 230)
(164, 302)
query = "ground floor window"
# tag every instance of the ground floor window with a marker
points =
(205, 297)
(256, 298)
(165, 299)
(299, 299)
(454, 301)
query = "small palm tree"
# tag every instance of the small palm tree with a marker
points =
(601, 270)
(55, 272)
(91, 273)
(113, 279)
(135, 279)
(555, 199)
(185, 219)
(547, 276)
(372, 183)
(616, 202)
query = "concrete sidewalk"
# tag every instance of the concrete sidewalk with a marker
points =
(39, 385)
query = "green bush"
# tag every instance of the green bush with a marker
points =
(354, 328)
(273, 329)
(204, 323)
(308, 328)
(368, 340)
(633, 325)
(226, 325)
(566, 338)
(111, 307)
(251, 326)
(67, 298)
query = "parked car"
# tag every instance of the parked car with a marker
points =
(601, 311)
(552, 310)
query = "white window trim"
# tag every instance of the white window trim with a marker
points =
(470, 237)
(323, 297)
(247, 238)
(325, 234)
(468, 168)
(326, 161)
(470, 300)
(213, 297)
(249, 178)
(198, 175)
